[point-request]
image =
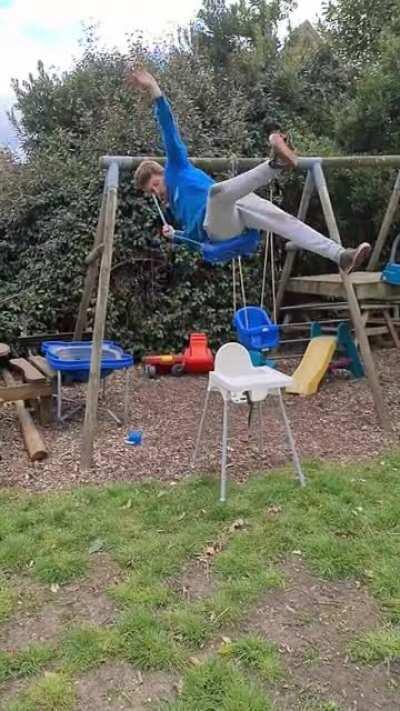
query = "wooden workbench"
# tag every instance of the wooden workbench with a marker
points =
(367, 285)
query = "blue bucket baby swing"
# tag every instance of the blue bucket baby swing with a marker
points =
(391, 273)
(253, 325)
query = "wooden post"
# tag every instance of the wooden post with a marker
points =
(34, 444)
(327, 209)
(386, 225)
(221, 165)
(94, 254)
(91, 273)
(292, 251)
(391, 327)
(354, 306)
(369, 365)
(89, 426)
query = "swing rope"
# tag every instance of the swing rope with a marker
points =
(234, 285)
(269, 250)
(264, 276)
(273, 284)
(159, 210)
(242, 282)
(243, 291)
(269, 247)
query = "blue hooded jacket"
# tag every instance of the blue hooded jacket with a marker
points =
(187, 186)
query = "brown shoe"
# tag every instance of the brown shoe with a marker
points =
(282, 155)
(353, 258)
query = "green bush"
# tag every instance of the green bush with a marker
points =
(230, 80)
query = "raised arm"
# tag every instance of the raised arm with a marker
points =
(174, 146)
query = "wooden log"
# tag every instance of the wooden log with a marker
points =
(34, 443)
(4, 350)
(28, 371)
(41, 364)
(24, 391)
(45, 403)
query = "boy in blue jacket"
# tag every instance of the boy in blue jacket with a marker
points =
(212, 211)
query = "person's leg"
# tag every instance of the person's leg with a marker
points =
(256, 213)
(231, 190)
(222, 220)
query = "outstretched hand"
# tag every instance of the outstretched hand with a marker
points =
(144, 81)
(168, 231)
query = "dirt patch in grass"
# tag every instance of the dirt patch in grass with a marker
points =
(80, 602)
(337, 423)
(9, 690)
(195, 583)
(312, 621)
(120, 687)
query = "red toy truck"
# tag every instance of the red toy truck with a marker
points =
(196, 358)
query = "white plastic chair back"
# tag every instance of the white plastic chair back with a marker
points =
(233, 360)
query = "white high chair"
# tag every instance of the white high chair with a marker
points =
(238, 381)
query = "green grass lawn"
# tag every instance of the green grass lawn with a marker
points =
(345, 524)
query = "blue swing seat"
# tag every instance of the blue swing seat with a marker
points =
(255, 329)
(225, 251)
(391, 273)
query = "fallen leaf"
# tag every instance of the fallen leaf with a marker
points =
(274, 509)
(195, 661)
(128, 504)
(178, 686)
(239, 523)
(96, 546)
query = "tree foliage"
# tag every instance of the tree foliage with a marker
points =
(357, 27)
(230, 78)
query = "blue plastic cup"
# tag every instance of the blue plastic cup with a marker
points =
(134, 437)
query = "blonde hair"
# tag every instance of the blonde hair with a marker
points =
(144, 171)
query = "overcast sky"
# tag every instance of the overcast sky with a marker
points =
(50, 29)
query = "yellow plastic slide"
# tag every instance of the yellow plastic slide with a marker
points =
(313, 366)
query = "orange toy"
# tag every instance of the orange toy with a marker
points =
(197, 358)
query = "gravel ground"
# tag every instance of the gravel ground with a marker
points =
(338, 423)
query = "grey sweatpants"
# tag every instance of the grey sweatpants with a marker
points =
(232, 207)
